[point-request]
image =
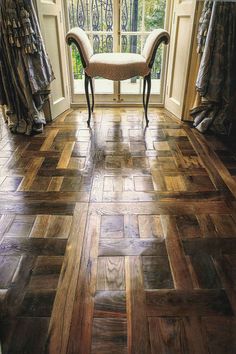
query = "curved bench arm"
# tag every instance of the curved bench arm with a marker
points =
(153, 41)
(77, 36)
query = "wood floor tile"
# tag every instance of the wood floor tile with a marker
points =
(117, 239)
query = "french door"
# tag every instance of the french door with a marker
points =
(52, 27)
(117, 26)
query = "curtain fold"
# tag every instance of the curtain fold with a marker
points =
(25, 70)
(216, 80)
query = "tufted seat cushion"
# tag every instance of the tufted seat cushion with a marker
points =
(117, 66)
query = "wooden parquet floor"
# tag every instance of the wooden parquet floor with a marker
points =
(118, 239)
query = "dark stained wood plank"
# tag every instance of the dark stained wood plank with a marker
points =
(31, 174)
(85, 290)
(188, 226)
(48, 265)
(8, 266)
(157, 273)
(37, 303)
(138, 334)
(225, 225)
(40, 226)
(226, 269)
(59, 226)
(63, 306)
(12, 246)
(220, 334)
(21, 226)
(110, 304)
(195, 334)
(211, 163)
(212, 246)
(3, 307)
(109, 336)
(168, 335)
(205, 271)
(18, 285)
(176, 207)
(187, 303)
(178, 263)
(132, 247)
(22, 342)
(29, 208)
(55, 184)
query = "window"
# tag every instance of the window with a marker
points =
(118, 26)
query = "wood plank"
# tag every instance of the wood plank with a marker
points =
(49, 140)
(176, 207)
(109, 336)
(178, 263)
(157, 273)
(31, 174)
(13, 246)
(85, 290)
(63, 306)
(220, 334)
(110, 304)
(212, 246)
(138, 334)
(187, 303)
(168, 335)
(132, 247)
(23, 343)
(205, 271)
(111, 273)
(66, 155)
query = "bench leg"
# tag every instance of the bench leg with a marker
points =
(86, 86)
(92, 92)
(144, 92)
(147, 81)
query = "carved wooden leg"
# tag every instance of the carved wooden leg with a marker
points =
(92, 92)
(148, 78)
(86, 85)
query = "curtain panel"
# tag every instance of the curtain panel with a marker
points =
(25, 70)
(216, 80)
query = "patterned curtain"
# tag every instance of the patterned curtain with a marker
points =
(216, 81)
(25, 71)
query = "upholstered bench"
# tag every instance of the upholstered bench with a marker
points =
(117, 66)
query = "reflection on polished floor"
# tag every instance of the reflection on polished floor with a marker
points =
(118, 239)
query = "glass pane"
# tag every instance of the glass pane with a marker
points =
(91, 15)
(154, 14)
(131, 43)
(132, 15)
